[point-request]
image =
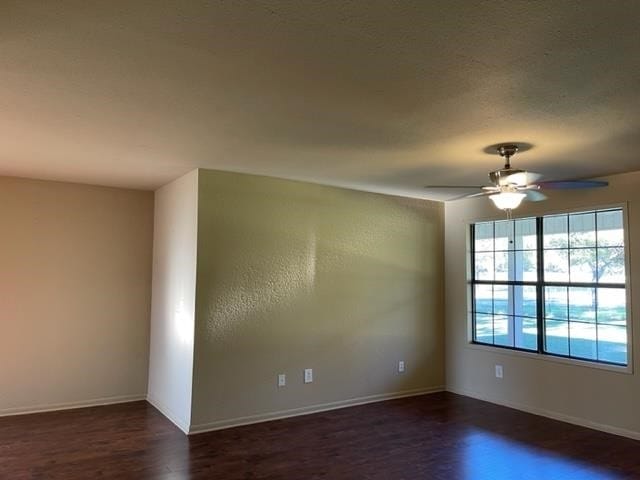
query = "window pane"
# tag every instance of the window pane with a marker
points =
(556, 265)
(501, 299)
(524, 301)
(583, 340)
(484, 298)
(526, 333)
(504, 235)
(582, 230)
(610, 230)
(504, 266)
(612, 344)
(555, 231)
(484, 328)
(526, 266)
(612, 306)
(583, 265)
(611, 265)
(483, 237)
(526, 234)
(556, 337)
(484, 266)
(555, 303)
(582, 304)
(501, 334)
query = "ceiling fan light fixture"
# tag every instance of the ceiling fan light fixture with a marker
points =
(507, 200)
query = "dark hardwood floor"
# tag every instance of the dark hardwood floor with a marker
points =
(439, 436)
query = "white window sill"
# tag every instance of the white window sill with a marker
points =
(627, 370)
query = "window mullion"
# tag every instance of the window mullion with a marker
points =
(473, 282)
(540, 284)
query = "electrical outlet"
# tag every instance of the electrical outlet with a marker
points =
(282, 380)
(308, 375)
(401, 366)
(499, 372)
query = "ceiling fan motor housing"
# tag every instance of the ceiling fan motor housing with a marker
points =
(509, 176)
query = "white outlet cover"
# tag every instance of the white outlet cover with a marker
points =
(308, 375)
(282, 380)
(499, 372)
(401, 366)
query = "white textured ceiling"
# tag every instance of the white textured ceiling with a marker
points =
(376, 95)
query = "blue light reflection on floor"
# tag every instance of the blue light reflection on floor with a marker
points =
(489, 456)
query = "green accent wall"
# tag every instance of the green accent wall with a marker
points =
(292, 275)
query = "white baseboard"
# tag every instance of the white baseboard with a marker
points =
(52, 407)
(171, 416)
(294, 412)
(582, 422)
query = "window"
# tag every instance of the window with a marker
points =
(554, 285)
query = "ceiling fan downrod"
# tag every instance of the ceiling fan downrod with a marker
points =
(507, 151)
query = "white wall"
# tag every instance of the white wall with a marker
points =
(173, 298)
(580, 394)
(75, 290)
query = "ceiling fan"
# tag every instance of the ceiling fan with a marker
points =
(511, 185)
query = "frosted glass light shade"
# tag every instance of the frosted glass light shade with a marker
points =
(507, 200)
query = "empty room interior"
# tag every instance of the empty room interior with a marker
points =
(320, 240)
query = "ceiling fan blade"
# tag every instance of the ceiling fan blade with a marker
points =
(521, 178)
(518, 177)
(513, 176)
(470, 195)
(533, 177)
(535, 196)
(468, 187)
(480, 194)
(573, 184)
